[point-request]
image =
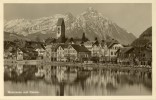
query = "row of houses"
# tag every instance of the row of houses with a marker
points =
(135, 55)
(31, 51)
(90, 50)
(110, 51)
(66, 52)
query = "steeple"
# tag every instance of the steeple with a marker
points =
(60, 30)
(83, 37)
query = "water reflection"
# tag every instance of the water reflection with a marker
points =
(65, 80)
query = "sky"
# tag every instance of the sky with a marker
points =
(134, 17)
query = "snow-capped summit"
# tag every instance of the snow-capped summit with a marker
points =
(91, 22)
(91, 10)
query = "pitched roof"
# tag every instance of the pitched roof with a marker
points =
(63, 45)
(79, 48)
(110, 44)
(88, 43)
(50, 41)
(75, 40)
(125, 49)
(69, 40)
(96, 43)
(60, 21)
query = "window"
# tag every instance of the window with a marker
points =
(114, 53)
(58, 30)
(111, 53)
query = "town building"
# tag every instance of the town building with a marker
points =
(40, 49)
(19, 54)
(103, 51)
(113, 46)
(88, 45)
(78, 53)
(98, 50)
(143, 56)
(95, 52)
(61, 52)
(51, 52)
(125, 55)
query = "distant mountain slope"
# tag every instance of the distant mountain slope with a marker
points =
(93, 23)
(12, 36)
(144, 38)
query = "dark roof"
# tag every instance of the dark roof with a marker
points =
(79, 48)
(125, 49)
(110, 44)
(69, 40)
(50, 41)
(63, 45)
(60, 21)
(27, 50)
(40, 46)
(34, 44)
(75, 40)
(96, 43)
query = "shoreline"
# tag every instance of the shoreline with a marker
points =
(93, 66)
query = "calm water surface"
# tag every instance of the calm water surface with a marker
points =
(50, 80)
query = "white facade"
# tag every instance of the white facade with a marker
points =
(112, 50)
(40, 51)
(95, 51)
(99, 51)
(61, 52)
(72, 53)
(19, 55)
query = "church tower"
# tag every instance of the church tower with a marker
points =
(60, 30)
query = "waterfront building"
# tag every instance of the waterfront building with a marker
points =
(126, 55)
(88, 45)
(113, 46)
(54, 52)
(78, 53)
(143, 55)
(103, 51)
(19, 54)
(41, 51)
(51, 52)
(146, 57)
(61, 52)
(99, 50)
(95, 52)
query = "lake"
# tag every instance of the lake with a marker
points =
(48, 80)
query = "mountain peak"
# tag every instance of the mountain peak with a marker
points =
(70, 15)
(92, 10)
(93, 23)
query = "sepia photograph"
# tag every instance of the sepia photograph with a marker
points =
(77, 49)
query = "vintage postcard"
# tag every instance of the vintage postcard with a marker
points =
(89, 50)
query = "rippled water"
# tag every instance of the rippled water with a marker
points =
(50, 80)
